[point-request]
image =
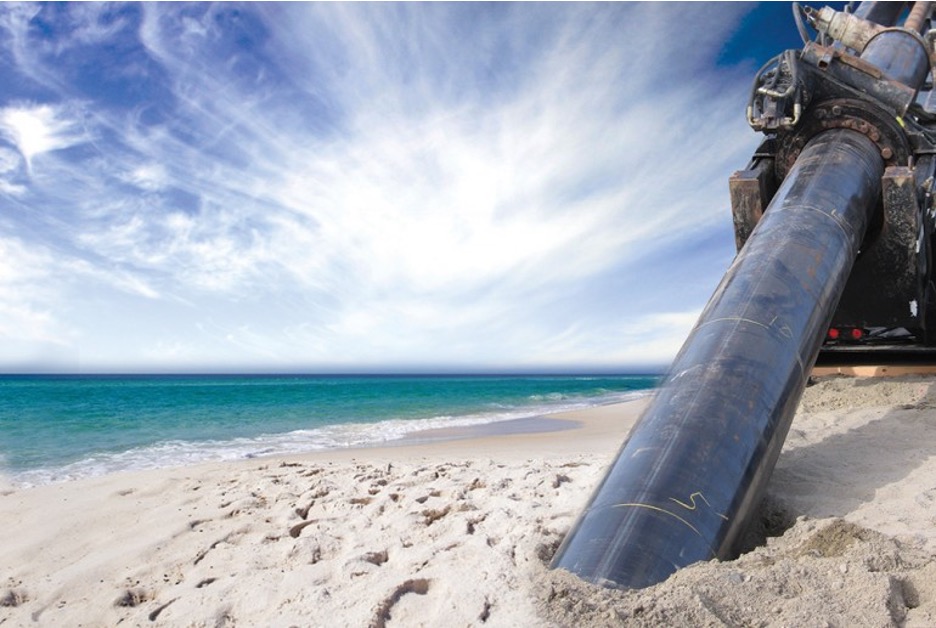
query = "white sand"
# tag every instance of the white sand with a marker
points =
(457, 533)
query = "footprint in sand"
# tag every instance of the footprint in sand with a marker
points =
(230, 538)
(132, 597)
(419, 586)
(432, 515)
(297, 529)
(376, 558)
(13, 597)
(561, 478)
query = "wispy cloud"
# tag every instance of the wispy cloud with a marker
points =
(392, 183)
(37, 129)
(30, 325)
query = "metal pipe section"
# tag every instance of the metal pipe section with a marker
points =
(884, 13)
(900, 55)
(917, 18)
(688, 478)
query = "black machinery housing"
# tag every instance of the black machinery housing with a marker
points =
(887, 312)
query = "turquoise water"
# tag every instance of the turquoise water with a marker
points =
(56, 428)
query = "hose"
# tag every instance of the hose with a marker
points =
(800, 25)
(917, 17)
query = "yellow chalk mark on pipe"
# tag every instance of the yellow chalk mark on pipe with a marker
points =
(735, 319)
(693, 506)
(663, 510)
(671, 514)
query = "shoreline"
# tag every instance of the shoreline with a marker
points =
(136, 545)
(566, 432)
(461, 531)
(583, 421)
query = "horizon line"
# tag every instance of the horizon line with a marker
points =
(635, 371)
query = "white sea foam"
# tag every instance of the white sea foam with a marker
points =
(177, 453)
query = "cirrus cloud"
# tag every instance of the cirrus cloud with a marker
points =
(329, 185)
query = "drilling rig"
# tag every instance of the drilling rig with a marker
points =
(834, 225)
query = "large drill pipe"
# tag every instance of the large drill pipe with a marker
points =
(687, 480)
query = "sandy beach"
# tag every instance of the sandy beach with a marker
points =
(456, 528)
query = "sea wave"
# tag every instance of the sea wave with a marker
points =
(179, 453)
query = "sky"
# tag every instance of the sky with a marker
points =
(368, 187)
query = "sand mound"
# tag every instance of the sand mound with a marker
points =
(825, 572)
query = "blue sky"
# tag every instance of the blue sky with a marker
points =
(347, 187)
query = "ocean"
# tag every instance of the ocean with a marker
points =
(62, 427)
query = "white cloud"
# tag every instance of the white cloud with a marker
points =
(37, 129)
(39, 294)
(149, 177)
(27, 306)
(407, 189)
(9, 160)
(117, 279)
(12, 169)
(90, 23)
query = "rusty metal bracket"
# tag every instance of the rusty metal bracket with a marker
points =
(845, 113)
(750, 191)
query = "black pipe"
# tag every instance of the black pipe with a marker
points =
(883, 13)
(899, 56)
(687, 479)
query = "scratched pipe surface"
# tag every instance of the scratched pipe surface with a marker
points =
(686, 481)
